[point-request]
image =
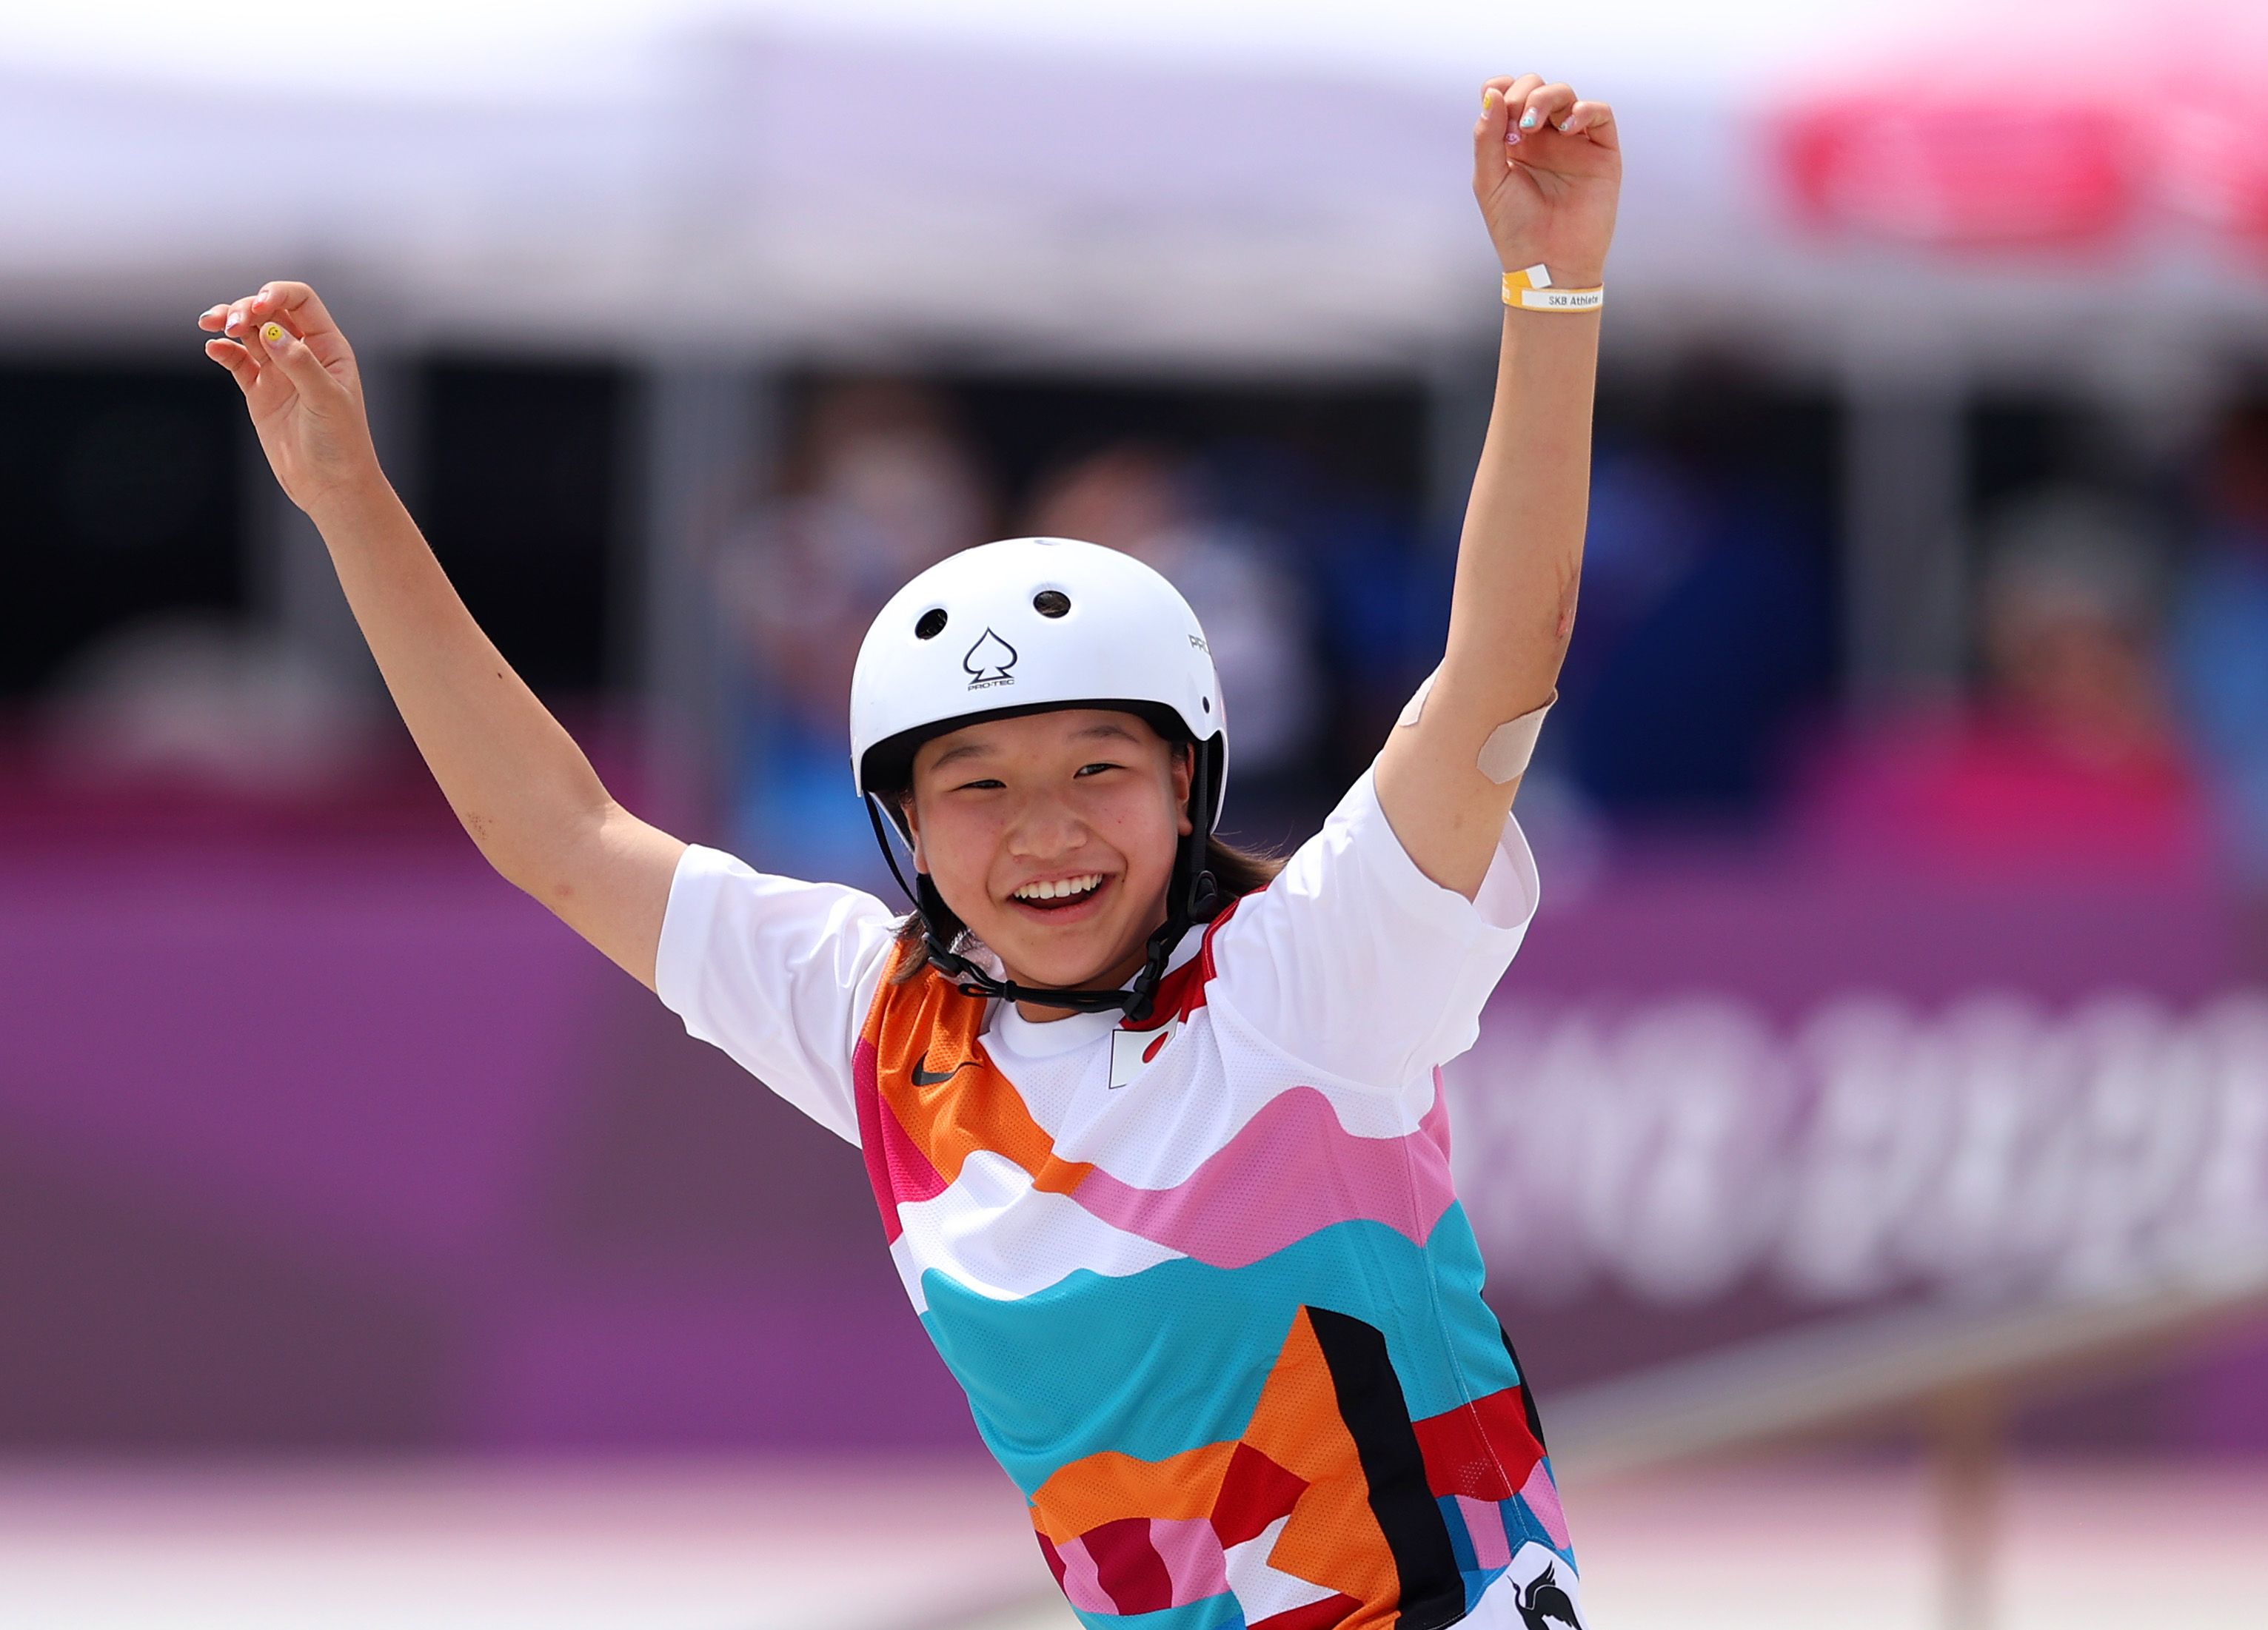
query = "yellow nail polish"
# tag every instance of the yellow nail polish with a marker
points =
(272, 334)
(1488, 98)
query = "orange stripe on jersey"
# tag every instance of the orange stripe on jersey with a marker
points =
(1105, 1487)
(948, 1096)
(1296, 1458)
(1333, 1538)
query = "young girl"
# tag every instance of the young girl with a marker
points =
(1157, 1138)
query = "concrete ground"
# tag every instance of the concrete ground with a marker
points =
(851, 1545)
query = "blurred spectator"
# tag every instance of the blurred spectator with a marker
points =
(1704, 633)
(2220, 636)
(2068, 759)
(1258, 617)
(878, 487)
(1638, 547)
(1377, 598)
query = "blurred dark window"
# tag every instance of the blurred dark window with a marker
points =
(2016, 444)
(121, 498)
(1707, 642)
(1328, 480)
(1368, 436)
(521, 491)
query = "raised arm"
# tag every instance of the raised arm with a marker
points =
(1547, 169)
(524, 791)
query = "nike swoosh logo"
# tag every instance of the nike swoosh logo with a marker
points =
(923, 1076)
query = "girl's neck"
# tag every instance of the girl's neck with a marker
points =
(1039, 1013)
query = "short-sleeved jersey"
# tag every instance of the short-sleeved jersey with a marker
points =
(1205, 1281)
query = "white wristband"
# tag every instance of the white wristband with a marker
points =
(1531, 290)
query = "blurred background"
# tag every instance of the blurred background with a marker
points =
(1870, 1146)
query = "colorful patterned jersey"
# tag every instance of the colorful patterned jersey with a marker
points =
(1206, 1283)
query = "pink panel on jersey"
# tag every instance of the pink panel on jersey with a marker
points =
(898, 1170)
(1132, 1572)
(1193, 1557)
(912, 1177)
(1082, 1585)
(895, 1165)
(1543, 1499)
(1485, 1524)
(1311, 1170)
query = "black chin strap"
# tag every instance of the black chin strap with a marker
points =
(1193, 896)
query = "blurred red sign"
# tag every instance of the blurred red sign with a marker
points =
(2216, 162)
(1963, 172)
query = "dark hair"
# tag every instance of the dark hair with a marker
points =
(1237, 870)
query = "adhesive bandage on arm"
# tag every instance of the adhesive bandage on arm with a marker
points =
(1414, 708)
(1505, 753)
(1503, 756)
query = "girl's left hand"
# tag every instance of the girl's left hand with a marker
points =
(1547, 170)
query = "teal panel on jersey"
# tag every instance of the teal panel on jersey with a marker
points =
(1215, 1612)
(1150, 1364)
(1522, 1524)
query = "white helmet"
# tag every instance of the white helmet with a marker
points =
(1022, 626)
(1027, 626)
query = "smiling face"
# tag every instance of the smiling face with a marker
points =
(1052, 837)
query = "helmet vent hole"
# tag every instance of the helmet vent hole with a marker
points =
(931, 623)
(1205, 702)
(1051, 603)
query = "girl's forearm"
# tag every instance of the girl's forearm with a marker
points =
(515, 778)
(1522, 552)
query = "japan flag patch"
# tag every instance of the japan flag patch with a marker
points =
(1131, 1051)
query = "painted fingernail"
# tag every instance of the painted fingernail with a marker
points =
(1528, 119)
(1511, 137)
(1488, 98)
(235, 321)
(272, 334)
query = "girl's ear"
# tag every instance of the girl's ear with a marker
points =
(913, 825)
(1185, 759)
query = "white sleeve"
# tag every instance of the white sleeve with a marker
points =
(777, 972)
(1356, 962)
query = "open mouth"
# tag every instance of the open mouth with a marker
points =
(1067, 897)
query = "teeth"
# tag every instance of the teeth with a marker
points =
(1058, 890)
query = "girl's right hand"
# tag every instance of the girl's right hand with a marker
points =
(299, 381)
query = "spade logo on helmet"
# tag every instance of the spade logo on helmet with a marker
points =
(987, 662)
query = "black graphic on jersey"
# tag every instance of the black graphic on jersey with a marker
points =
(1542, 1604)
(1377, 1417)
(924, 1077)
(1527, 1391)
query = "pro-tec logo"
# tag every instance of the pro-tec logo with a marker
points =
(987, 662)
